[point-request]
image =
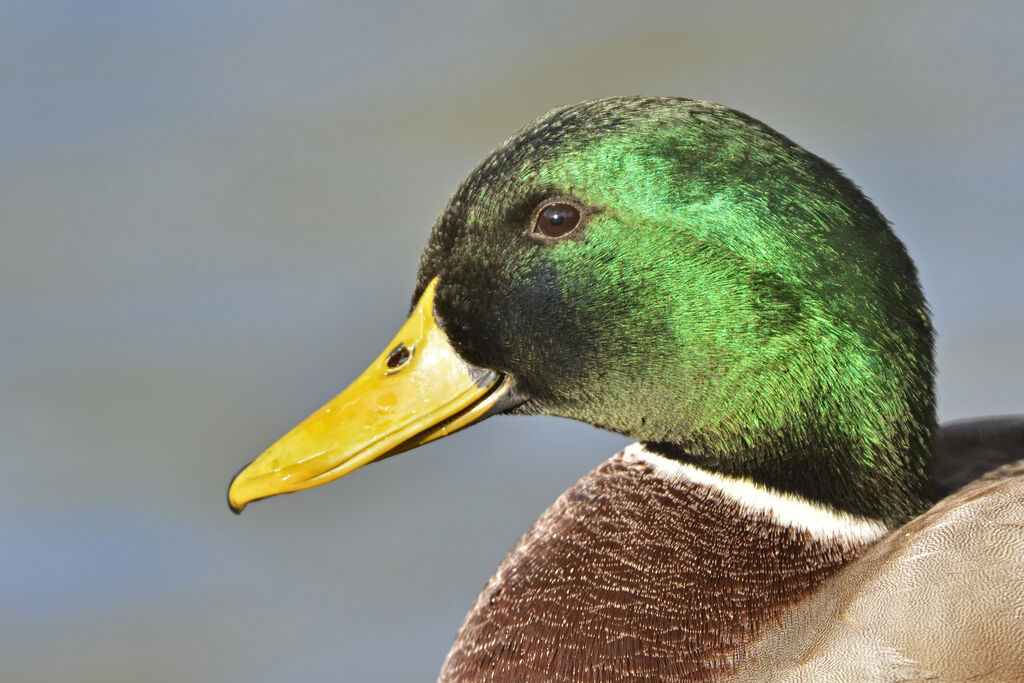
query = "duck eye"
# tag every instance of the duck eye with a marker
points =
(556, 219)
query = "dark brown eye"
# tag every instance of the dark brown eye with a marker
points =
(556, 219)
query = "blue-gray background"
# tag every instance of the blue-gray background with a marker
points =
(210, 215)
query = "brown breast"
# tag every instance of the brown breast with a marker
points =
(634, 575)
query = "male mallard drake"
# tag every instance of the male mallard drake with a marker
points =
(678, 272)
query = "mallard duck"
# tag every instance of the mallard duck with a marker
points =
(678, 272)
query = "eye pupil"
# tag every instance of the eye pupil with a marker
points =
(557, 219)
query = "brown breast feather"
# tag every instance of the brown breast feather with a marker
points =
(634, 576)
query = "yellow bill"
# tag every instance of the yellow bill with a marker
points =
(416, 391)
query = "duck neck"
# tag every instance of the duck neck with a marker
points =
(789, 508)
(889, 485)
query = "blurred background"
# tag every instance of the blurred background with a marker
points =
(210, 218)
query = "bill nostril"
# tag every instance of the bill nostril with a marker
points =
(398, 357)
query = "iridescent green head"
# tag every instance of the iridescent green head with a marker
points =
(726, 297)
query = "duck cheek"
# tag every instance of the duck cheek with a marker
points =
(476, 329)
(552, 356)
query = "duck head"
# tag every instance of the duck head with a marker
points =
(671, 270)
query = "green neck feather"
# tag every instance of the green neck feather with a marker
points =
(732, 300)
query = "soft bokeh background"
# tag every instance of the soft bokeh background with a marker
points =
(210, 215)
